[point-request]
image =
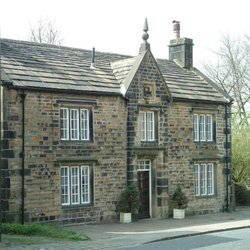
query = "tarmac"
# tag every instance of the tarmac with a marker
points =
(125, 236)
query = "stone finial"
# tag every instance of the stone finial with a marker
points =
(145, 45)
(145, 34)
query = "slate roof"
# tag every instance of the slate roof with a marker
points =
(32, 65)
(36, 65)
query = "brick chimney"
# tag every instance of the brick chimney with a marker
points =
(181, 49)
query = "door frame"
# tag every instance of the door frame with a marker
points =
(149, 169)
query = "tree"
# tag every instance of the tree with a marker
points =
(241, 154)
(45, 31)
(232, 72)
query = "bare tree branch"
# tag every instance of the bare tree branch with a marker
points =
(45, 31)
(232, 71)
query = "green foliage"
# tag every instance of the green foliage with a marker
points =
(40, 230)
(241, 153)
(129, 200)
(242, 196)
(179, 199)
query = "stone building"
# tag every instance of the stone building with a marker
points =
(78, 126)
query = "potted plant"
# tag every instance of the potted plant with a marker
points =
(128, 203)
(180, 202)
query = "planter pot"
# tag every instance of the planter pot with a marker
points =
(179, 213)
(125, 217)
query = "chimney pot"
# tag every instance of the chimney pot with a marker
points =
(176, 28)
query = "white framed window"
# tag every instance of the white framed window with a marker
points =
(202, 127)
(85, 184)
(209, 127)
(143, 126)
(84, 122)
(65, 188)
(147, 126)
(210, 179)
(202, 124)
(75, 185)
(196, 127)
(197, 179)
(64, 114)
(75, 124)
(204, 179)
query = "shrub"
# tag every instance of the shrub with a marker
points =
(179, 199)
(129, 200)
(242, 196)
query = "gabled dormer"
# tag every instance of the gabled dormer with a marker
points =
(140, 77)
(147, 93)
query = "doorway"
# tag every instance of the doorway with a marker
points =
(143, 178)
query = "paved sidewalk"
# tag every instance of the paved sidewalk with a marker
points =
(115, 236)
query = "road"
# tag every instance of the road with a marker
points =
(226, 240)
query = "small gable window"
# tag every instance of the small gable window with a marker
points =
(75, 124)
(147, 126)
(203, 128)
(148, 91)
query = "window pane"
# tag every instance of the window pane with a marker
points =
(84, 116)
(203, 179)
(140, 165)
(75, 195)
(64, 115)
(210, 179)
(143, 125)
(202, 128)
(145, 165)
(74, 124)
(150, 126)
(65, 186)
(197, 179)
(196, 127)
(85, 184)
(209, 128)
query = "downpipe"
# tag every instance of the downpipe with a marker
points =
(228, 163)
(23, 96)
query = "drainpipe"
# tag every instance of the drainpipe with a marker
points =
(23, 95)
(228, 169)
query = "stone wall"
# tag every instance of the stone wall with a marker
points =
(45, 153)
(183, 153)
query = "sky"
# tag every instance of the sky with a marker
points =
(116, 25)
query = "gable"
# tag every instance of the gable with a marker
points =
(140, 72)
(148, 78)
